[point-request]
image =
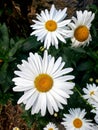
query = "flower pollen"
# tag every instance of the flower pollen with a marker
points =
(50, 129)
(43, 82)
(92, 93)
(81, 33)
(51, 25)
(16, 128)
(77, 123)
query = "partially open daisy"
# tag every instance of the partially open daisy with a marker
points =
(44, 82)
(81, 28)
(91, 93)
(50, 126)
(50, 27)
(75, 120)
(16, 128)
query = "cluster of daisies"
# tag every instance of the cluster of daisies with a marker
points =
(50, 27)
(45, 81)
(91, 95)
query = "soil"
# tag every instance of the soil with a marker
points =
(18, 14)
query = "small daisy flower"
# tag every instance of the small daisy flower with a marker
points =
(75, 120)
(50, 126)
(51, 26)
(81, 28)
(44, 83)
(91, 93)
(55, 115)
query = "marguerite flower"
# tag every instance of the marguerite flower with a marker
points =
(51, 26)
(50, 126)
(91, 93)
(44, 83)
(75, 120)
(81, 28)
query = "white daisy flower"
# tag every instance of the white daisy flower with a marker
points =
(91, 93)
(44, 83)
(50, 126)
(75, 120)
(81, 28)
(51, 26)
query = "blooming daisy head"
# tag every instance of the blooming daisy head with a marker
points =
(44, 83)
(50, 126)
(50, 27)
(91, 93)
(75, 120)
(81, 28)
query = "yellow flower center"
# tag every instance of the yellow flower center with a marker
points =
(77, 123)
(51, 25)
(81, 33)
(16, 128)
(91, 93)
(50, 129)
(43, 82)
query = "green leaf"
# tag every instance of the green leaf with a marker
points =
(4, 38)
(15, 48)
(30, 43)
(85, 66)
